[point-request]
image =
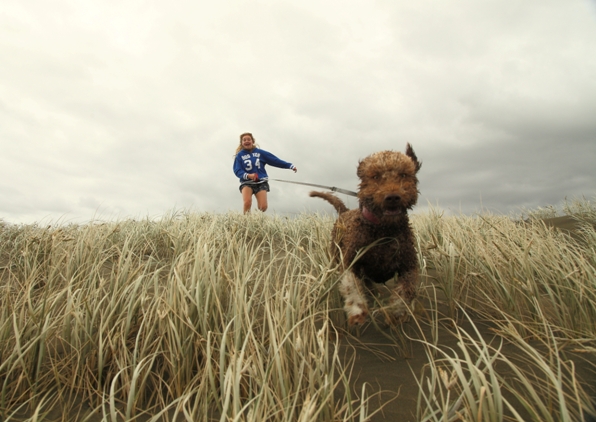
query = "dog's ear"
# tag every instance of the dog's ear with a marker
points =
(360, 169)
(410, 153)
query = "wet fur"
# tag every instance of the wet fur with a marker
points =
(388, 189)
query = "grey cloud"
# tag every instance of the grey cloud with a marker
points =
(129, 110)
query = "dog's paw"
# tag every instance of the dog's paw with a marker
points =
(396, 319)
(357, 319)
(385, 318)
(397, 312)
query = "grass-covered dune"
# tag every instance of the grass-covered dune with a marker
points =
(228, 317)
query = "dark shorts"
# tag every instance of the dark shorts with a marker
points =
(257, 187)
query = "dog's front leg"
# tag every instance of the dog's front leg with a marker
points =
(351, 288)
(402, 296)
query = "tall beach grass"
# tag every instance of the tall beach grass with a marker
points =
(237, 318)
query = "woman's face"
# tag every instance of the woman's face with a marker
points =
(247, 142)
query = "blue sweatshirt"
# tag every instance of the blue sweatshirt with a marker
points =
(254, 162)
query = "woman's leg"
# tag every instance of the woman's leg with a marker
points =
(247, 198)
(262, 200)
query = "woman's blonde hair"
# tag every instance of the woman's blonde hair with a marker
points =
(239, 147)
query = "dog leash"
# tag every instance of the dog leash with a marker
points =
(331, 188)
(365, 212)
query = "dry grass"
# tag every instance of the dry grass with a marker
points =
(236, 318)
(536, 286)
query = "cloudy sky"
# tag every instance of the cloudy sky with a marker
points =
(130, 109)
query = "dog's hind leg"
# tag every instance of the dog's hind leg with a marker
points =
(355, 302)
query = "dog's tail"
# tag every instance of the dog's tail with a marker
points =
(340, 207)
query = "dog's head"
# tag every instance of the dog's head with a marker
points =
(388, 182)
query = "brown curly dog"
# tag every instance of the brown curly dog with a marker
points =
(388, 189)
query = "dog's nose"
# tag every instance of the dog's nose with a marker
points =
(392, 200)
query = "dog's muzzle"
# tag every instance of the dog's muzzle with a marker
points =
(392, 204)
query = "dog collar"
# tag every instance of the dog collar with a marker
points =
(370, 216)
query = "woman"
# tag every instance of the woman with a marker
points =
(249, 167)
